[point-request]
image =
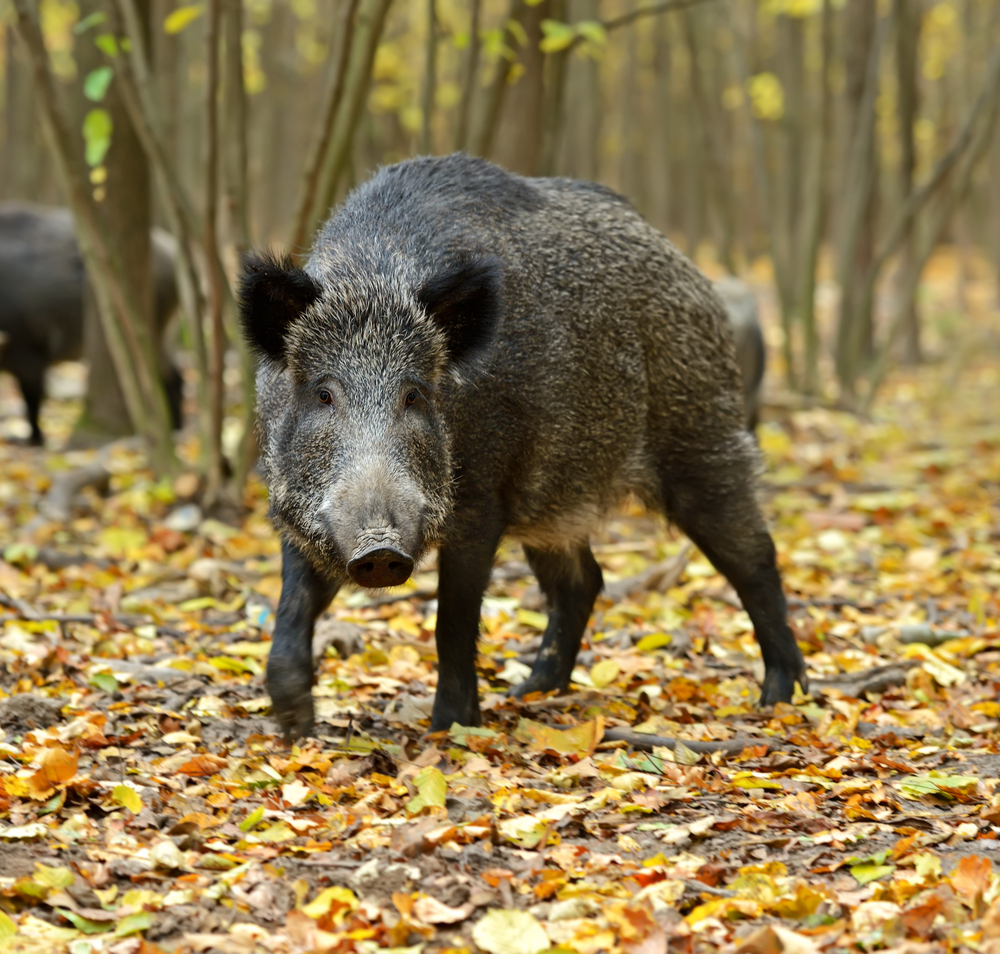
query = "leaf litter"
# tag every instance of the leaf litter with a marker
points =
(146, 803)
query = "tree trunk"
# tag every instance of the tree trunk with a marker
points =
(864, 35)
(23, 154)
(708, 128)
(907, 14)
(470, 77)
(127, 210)
(519, 138)
(429, 82)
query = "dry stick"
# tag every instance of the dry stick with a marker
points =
(660, 577)
(646, 743)
(469, 71)
(876, 679)
(318, 152)
(128, 340)
(217, 350)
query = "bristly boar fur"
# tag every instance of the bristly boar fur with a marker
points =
(469, 354)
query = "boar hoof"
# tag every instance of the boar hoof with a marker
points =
(779, 684)
(382, 566)
(538, 682)
(294, 712)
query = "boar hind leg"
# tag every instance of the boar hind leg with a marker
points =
(570, 581)
(33, 390)
(304, 595)
(714, 504)
(463, 575)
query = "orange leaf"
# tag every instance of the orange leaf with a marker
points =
(970, 878)
(403, 903)
(57, 765)
(203, 765)
(581, 740)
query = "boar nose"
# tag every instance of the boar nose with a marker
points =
(381, 566)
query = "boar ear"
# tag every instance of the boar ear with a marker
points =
(464, 302)
(273, 295)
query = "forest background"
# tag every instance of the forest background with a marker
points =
(833, 143)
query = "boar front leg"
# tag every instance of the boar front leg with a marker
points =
(304, 595)
(570, 581)
(463, 574)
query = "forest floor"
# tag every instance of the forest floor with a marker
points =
(147, 804)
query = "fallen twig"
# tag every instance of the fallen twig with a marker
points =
(24, 610)
(876, 679)
(646, 743)
(658, 577)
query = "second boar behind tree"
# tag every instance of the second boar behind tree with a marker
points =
(469, 354)
(741, 309)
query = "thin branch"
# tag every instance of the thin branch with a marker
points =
(217, 351)
(430, 80)
(320, 148)
(469, 71)
(654, 10)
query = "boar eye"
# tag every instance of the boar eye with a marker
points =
(325, 397)
(411, 398)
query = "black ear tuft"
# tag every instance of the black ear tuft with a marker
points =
(464, 301)
(273, 295)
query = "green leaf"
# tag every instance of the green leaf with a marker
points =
(87, 22)
(558, 36)
(518, 32)
(7, 927)
(53, 877)
(20, 554)
(134, 923)
(97, 128)
(182, 17)
(107, 44)
(945, 786)
(127, 797)
(459, 734)
(592, 31)
(230, 664)
(866, 873)
(97, 82)
(253, 819)
(104, 681)
(84, 924)
(432, 790)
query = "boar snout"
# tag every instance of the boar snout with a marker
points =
(381, 566)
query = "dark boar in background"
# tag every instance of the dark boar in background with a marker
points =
(469, 354)
(741, 309)
(41, 299)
